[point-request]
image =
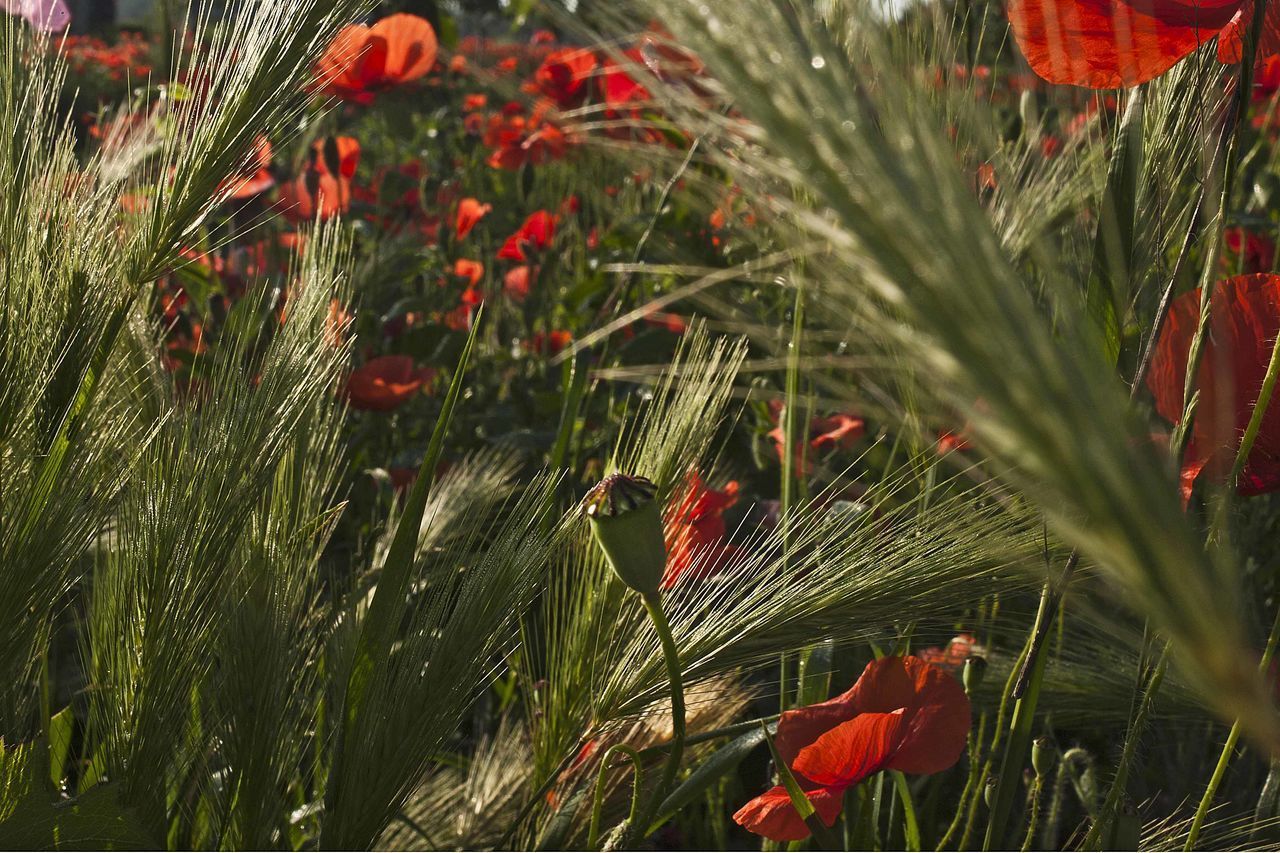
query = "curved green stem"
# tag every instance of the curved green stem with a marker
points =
(597, 803)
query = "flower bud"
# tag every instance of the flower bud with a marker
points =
(1043, 755)
(627, 524)
(975, 668)
(989, 792)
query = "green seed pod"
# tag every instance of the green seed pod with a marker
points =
(975, 669)
(627, 524)
(1043, 755)
(989, 792)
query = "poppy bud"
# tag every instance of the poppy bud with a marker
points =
(975, 668)
(989, 792)
(627, 524)
(1043, 755)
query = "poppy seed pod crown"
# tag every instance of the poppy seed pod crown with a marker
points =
(627, 524)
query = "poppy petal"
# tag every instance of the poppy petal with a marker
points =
(772, 815)
(853, 750)
(1106, 44)
(940, 718)
(410, 47)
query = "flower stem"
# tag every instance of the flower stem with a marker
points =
(1233, 737)
(1015, 753)
(1036, 787)
(1107, 813)
(597, 805)
(671, 657)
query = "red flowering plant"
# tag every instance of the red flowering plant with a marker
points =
(902, 714)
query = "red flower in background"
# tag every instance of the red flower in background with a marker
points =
(471, 270)
(386, 383)
(620, 88)
(517, 140)
(516, 282)
(535, 233)
(258, 179)
(902, 714)
(839, 431)
(1255, 251)
(470, 212)
(324, 187)
(563, 76)
(549, 343)
(362, 61)
(953, 657)
(1108, 44)
(1244, 320)
(697, 541)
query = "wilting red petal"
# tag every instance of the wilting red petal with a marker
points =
(1244, 321)
(853, 750)
(772, 815)
(1106, 44)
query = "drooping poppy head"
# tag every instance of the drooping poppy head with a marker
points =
(563, 76)
(1107, 44)
(902, 714)
(470, 212)
(1244, 320)
(362, 61)
(386, 383)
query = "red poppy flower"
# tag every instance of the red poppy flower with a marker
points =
(902, 714)
(473, 102)
(564, 74)
(1108, 44)
(470, 212)
(536, 233)
(471, 270)
(1244, 321)
(697, 541)
(1253, 251)
(548, 343)
(386, 383)
(364, 60)
(825, 433)
(518, 140)
(620, 88)
(516, 282)
(49, 16)
(324, 187)
(256, 178)
(953, 657)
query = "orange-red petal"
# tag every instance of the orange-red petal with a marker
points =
(1106, 44)
(853, 750)
(772, 815)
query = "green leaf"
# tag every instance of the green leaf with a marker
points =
(910, 829)
(379, 627)
(721, 762)
(61, 728)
